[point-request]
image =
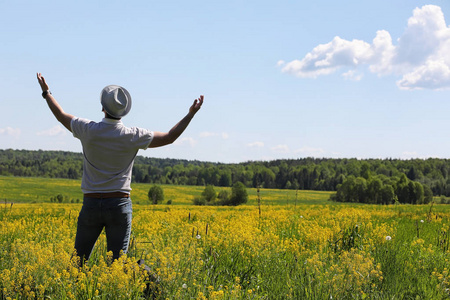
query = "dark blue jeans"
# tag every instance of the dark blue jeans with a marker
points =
(113, 214)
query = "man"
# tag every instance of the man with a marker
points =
(109, 149)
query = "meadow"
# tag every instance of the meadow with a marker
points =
(299, 246)
(33, 190)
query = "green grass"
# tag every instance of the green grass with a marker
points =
(32, 189)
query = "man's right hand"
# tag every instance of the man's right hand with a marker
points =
(165, 138)
(196, 106)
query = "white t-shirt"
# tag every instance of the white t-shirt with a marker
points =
(109, 150)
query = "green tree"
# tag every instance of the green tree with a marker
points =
(209, 194)
(428, 194)
(361, 189)
(223, 196)
(225, 178)
(402, 189)
(60, 198)
(238, 194)
(156, 194)
(418, 193)
(374, 192)
(388, 194)
(365, 170)
(199, 201)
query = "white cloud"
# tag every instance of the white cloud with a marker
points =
(281, 149)
(310, 151)
(383, 52)
(185, 140)
(207, 134)
(420, 57)
(415, 155)
(14, 132)
(327, 58)
(433, 75)
(423, 36)
(54, 131)
(409, 154)
(352, 75)
(255, 145)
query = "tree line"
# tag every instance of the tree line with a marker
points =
(323, 174)
(381, 189)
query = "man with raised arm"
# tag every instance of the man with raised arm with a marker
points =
(109, 149)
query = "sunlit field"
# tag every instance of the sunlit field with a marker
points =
(286, 250)
(26, 189)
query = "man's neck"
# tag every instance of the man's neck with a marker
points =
(108, 116)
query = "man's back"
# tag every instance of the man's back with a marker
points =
(109, 150)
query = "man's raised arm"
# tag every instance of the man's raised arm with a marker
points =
(165, 138)
(63, 117)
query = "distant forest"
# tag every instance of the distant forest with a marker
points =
(324, 174)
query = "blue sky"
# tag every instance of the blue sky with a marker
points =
(281, 79)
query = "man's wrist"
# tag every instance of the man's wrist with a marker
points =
(46, 93)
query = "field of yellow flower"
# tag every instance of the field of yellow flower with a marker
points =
(287, 252)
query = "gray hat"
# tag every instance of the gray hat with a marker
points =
(116, 101)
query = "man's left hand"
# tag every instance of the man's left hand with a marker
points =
(42, 83)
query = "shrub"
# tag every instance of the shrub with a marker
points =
(209, 194)
(199, 201)
(238, 194)
(58, 198)
(156, 194)
(208, 197)
(223, 196)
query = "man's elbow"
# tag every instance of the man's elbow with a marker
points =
(65, 120)
(170, 138)
(170, 141)
(160, 142)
